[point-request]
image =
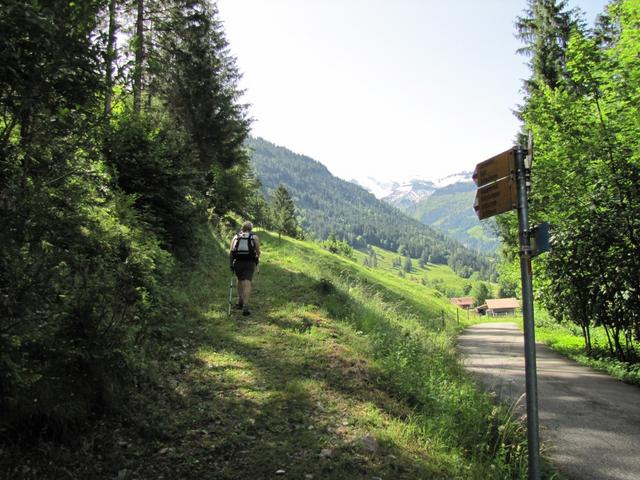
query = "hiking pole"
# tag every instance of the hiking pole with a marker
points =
(230, 293)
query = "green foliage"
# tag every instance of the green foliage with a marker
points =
(283, 212)
(93, 206)
(339, 247)
(568, 339)
(583, 112)
(151, 160)
(480, 293)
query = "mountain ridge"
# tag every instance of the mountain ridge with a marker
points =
(329, 205)
(444, 204)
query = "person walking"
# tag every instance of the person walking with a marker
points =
(244, 256)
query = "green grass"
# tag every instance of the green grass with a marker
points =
(442, 276)
(567, 340)
(341, 372)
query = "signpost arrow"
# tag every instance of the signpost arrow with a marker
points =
(496, 168)
(496, 198)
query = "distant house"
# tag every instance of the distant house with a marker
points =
(464, 303)
(499, 307)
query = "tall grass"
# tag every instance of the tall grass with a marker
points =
(401, 322)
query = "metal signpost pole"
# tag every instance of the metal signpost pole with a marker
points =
(527, 311)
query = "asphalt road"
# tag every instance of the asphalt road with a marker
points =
(589, 422)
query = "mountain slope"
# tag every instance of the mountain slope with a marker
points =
(327, 204)
(448, 208)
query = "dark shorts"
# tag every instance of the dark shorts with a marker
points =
(244, 269)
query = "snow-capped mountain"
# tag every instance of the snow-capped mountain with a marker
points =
(380, 188)
(411, 192)
(461, 177)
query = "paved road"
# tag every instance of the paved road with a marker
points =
(590, 423)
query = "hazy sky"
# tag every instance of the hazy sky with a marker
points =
(393, 89)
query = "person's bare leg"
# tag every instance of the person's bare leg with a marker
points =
(246, 292)
(240, 299)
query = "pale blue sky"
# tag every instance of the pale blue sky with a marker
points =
(393, 89)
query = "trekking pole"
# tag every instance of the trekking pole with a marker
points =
(230, 293)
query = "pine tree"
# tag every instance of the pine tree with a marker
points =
(408, 266)
(198, 79)
(545, 30)
(139, 51)
(283, 212)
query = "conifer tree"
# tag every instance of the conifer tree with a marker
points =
(408, 266)
(545, 31)
(374, 259)
(284, 212)
(198, 79)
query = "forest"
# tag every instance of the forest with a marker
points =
(582, 105)
(121, 136)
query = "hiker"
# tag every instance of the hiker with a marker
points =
(244, 255)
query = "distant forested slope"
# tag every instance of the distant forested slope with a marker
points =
(327, 204)
(450, 210)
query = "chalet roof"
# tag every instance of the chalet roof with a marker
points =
(502, 303)
(462, 301)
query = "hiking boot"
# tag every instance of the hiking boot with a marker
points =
(239, 305)
(245, 312)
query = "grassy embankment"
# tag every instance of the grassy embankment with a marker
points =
(341, 372)
(567, 340)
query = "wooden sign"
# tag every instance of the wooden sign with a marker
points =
(492, 170)
(496, 198)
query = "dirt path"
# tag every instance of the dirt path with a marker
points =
(590, 423)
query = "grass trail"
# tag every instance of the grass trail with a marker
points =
(341, 372)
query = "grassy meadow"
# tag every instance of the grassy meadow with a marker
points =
(340, 372)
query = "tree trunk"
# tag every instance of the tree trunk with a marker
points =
(587, 338)
(111, 56)
(139, 58)
(616, 339)
(606, 330)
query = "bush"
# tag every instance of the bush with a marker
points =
(75, 287)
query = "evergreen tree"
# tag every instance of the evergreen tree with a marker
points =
(198, 78)
(545, 31)
(407, 266)
(284, 213)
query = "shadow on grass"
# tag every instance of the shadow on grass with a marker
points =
(240, 398)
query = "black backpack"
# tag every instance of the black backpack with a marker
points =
(244, 247)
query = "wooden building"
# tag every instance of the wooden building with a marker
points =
(499, 307)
